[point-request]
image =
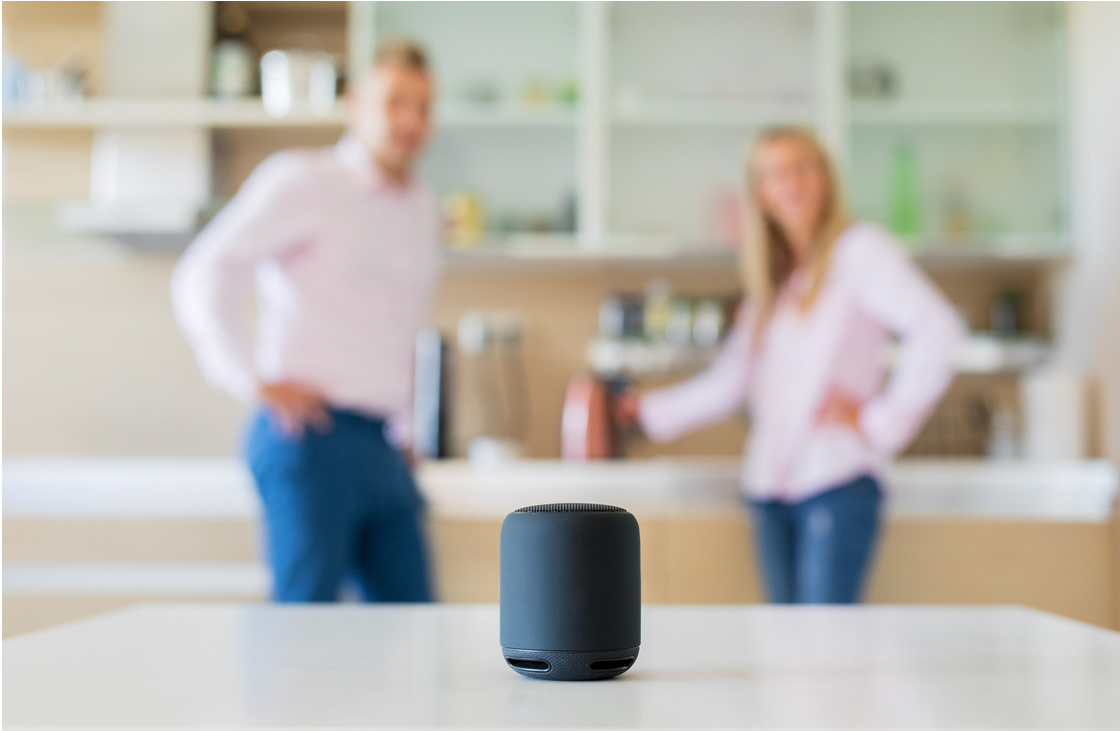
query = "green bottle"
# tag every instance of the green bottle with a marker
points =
(904, 208)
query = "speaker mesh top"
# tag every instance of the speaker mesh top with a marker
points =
(571, 508)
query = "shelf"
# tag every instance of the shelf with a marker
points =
(983, 353)
(566, 250)
(699, 113)
(979, 354)
(933, 250)
(160, 113)
(532, 250)
(684, 109)
(467, 114)
(765, 112)
(944, 113)
(185, 489)
(247, 113)
(930, 251)
(989, 354)
(609, 358)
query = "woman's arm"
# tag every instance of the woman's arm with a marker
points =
(893, 290)
(708, 397)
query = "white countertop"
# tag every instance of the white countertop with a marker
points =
(1083, 490)
(440, 666)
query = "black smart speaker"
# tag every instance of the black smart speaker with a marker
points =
(571, 591)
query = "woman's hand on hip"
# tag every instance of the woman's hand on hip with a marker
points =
(839, 408)
(296, 407)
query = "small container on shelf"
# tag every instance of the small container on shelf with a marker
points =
(464, 219)
(482, 93)
(1006, 313)
(905, 206)
(232, 69)
(708, 322)
(678, 327)
(656, 334)
(658, 304)
(295, 78)
(612, 317)
(536, 94)
(567, 94)
(873, 79)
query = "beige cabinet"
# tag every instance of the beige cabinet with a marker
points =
(1068, 568)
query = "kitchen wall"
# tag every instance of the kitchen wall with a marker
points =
(80, 300)
(93, 362)
(74, 301)
(69, 301)
(95, 366)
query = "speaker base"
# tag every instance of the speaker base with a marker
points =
(570, 664)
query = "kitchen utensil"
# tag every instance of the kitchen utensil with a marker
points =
(295, 78)
(231, 69)
(586, 427)
(708, 322)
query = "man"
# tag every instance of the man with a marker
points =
(344, 249)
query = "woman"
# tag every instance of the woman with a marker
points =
(807, 356)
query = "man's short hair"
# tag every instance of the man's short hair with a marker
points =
(401, 52)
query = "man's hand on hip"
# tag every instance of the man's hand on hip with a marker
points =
(296, 407)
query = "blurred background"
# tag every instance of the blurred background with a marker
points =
(589, 160)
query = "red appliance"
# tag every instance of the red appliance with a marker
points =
(586, 428)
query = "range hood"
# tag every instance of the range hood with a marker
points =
(148, 187)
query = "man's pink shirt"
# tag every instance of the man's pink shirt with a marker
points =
(345, 263)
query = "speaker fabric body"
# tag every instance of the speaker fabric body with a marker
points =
(570, 591)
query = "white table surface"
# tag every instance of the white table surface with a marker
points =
(440, 666)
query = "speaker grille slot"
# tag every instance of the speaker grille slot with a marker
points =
(602, 666)
(530, 665)
(571, 508)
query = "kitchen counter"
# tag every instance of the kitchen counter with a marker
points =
(440, 666)
(85, 535)
(1013, 489)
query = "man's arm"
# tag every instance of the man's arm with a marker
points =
(211, 283)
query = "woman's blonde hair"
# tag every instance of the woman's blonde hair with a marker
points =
(767, 259)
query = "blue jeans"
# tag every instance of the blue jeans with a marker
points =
(818, 551)
(339, 505)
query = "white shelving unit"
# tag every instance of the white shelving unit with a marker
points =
(508, 130)
(979, 354)
(450, 114)
(741, 115)
(551, 251)
(687, 86)
(147, 113)
(671, 93)
(1001, 112)
(669, 96)
(978, 99)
